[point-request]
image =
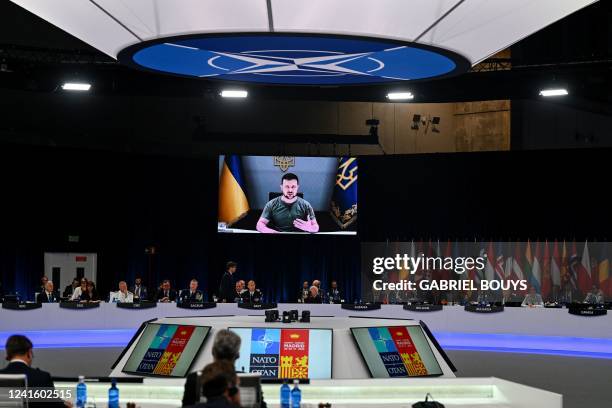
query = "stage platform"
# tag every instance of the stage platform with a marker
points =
(519, 330)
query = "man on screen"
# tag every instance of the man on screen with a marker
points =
(288, 212)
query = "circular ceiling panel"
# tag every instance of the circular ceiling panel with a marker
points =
(294, 59)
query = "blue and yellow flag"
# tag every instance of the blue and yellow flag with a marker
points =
(233, 202)
(344, 197)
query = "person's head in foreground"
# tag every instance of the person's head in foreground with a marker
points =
(220, 383)
(19, 347)
(289, 186)
(226, 346)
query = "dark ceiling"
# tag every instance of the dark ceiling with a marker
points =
(576, 52)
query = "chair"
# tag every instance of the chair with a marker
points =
(250, 390)
(11, 298)
(12, 381)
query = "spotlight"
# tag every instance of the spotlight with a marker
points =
(399, 96)
(554, 92)
(415, 122)
(76, 86)
(234, 93)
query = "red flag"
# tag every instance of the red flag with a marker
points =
(555, 266)
(546, 278)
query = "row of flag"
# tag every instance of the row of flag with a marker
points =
(546, 266)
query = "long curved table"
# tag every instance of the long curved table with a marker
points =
(535, 330)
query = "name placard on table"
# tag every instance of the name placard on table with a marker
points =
(138, 305)
(484, 308)
(586, 310)
(422, 308)
(196, 305)
(21, 306)
(255, 306)
(79, 305)
(361, 307)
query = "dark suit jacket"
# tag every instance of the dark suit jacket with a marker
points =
(190, 393)
(36, 378)
(144, 293)
(315, 299)
(171, 294)
(186, 296)
(42, 297)
(68, 291)
(227, 288)
(247, 297)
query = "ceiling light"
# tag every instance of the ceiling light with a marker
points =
(76, 86)
(553, 92)
(399, 96)
(234, 94)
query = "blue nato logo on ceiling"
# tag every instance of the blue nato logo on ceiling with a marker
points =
(293, 59)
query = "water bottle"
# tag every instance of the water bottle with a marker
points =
(113, 395)
(81, 393)
(296, 395)
(285, 395)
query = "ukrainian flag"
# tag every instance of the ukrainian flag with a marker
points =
(344, 197)
(233, 203)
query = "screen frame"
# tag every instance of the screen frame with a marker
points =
(336, 233)
(195, 357)
(331, 351)
(393, 378)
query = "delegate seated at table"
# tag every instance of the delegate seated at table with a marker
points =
(533, 299)
(122, 295)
